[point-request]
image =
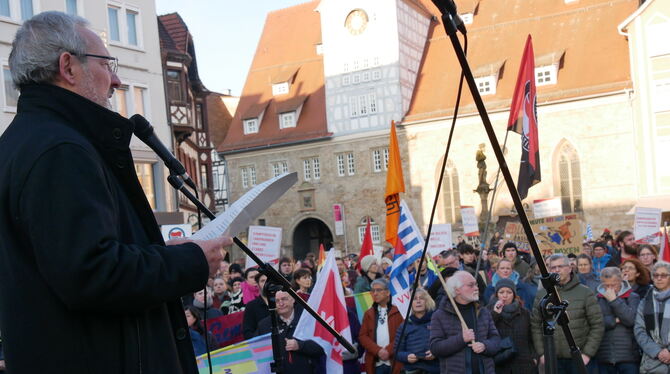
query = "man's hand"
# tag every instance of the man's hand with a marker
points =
(429, 355)
(610, 294)
(292, 345)
(586, 359)
(498, 307)
(468, 335)
(478, 347)
(214, 252)
(2, 365)
(383, 354)
(542, 360)
(411, 358)
(664, 356)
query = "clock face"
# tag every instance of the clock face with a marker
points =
(356, 21)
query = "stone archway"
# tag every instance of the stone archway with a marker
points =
(307, 236)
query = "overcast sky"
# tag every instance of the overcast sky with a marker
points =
(225, 34)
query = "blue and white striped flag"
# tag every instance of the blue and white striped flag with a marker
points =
(589, 232)
(407, 251)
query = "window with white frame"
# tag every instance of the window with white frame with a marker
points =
(4, 9)
(374, 231)
(372, 102)
(376, 75)
(346, 80)
(380, 159)
(356, 78)
(11, 94)
(351, 164)
(250, 126)
(280, 88)
(451, 197)
(570, 180)
(546, 75)
(17, 10)
(279, 168)
(307, 169)
(287, 120)
(131, 99)
(362, 105)
(467, 18)
(316, 168)
(145, 174)
(339, 159)
(366, 76)
(248, 174)
(486, 85)
(661, 95)
(71, 7)
(124, 23)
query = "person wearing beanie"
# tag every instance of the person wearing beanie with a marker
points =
(511, 252)
(504, 272)
(369, 269)
(513, 324)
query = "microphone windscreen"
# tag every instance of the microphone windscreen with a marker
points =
(143, 128)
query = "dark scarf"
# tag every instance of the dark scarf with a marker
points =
(656, 315)
(510, 310)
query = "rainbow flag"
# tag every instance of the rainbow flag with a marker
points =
(250, 356)
(361, 302)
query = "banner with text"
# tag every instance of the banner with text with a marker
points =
(647, 229)
(514, 233)
(265, 242)
(470, 226)
(547, 208)
(227, 329)
(338, 217)
(561, 234)
(440, 239)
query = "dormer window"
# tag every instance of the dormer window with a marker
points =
(287, 120)
(487, 85)
(250, 126)
(467, 18)
(280, 88)
(545, 75)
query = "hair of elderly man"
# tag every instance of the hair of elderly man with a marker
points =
(381, 282)
(430, 303)
(611, 272)
(38, 44)
(558, 256)
(456, 281)
(661, 264)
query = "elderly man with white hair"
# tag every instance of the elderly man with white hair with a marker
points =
(462, 350)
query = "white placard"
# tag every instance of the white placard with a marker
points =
(338, 217)
(440, 239)
(264, 242)
(470, 226)
(647, 225)
(547, 208)
(176, 231)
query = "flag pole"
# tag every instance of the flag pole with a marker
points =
(490, 212)
(464, 326)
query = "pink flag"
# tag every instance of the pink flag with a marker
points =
(327, 299)
(665, 247)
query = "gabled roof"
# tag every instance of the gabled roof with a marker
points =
(582, 36)
(176, 29)
(285, 52)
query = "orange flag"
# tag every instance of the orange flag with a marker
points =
(394, 186)
(322, 256)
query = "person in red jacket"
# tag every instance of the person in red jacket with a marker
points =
(378, 331)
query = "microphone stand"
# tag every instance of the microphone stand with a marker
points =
(552, 307)
(275, 282)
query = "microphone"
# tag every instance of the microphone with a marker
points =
(449, 7)
(145, 132)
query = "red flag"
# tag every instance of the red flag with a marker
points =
(327, 299)
(366, 247)
(523, 120)
(322, 256)
(665, 247)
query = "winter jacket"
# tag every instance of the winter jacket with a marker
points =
(254, 312)
(521, 266)
(517, 326)
(522, 290)
(368, 335)
(599, 263)
(446, 339)
(362, 284)
(79, 237)
(417, 341)
(309, 354)
(590, 280)
(586, 320)
(618, 344)
(645, 325)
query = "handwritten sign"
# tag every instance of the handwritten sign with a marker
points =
(561, 234)
(440, 239)
(227, 329)
(470, 226)
(647, 225)
(265, 242)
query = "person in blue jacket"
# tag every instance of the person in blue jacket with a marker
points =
(600, 257)
(414, 349)
(504, 271)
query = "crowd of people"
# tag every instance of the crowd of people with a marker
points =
(617, 293)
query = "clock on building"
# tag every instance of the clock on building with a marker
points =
(356, 21)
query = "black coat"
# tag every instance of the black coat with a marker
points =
(517, 326)
(254, 312)
(306, 359)
(83, 267)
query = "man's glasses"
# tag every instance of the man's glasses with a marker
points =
(112, 62)
(661, 275)
(376, 290)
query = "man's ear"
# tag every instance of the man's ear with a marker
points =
(68, 68)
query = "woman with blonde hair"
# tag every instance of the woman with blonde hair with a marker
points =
(414, 349)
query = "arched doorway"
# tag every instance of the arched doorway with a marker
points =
(308, 235)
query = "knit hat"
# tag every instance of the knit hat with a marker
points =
(505, 282)
(367, 261)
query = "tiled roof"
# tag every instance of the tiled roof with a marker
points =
(176, 29)
(581, 35)
(285, 52)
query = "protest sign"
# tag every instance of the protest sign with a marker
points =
(227, 329)
(514, 233)
(250, 356)
(647, 226)
(561, 234)
(470, 226)
(265, 242)
(440, 239)
(176, 231)
(547, 208)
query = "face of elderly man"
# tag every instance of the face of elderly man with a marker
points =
(96, 82)
(561, 266)
(468, 292)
